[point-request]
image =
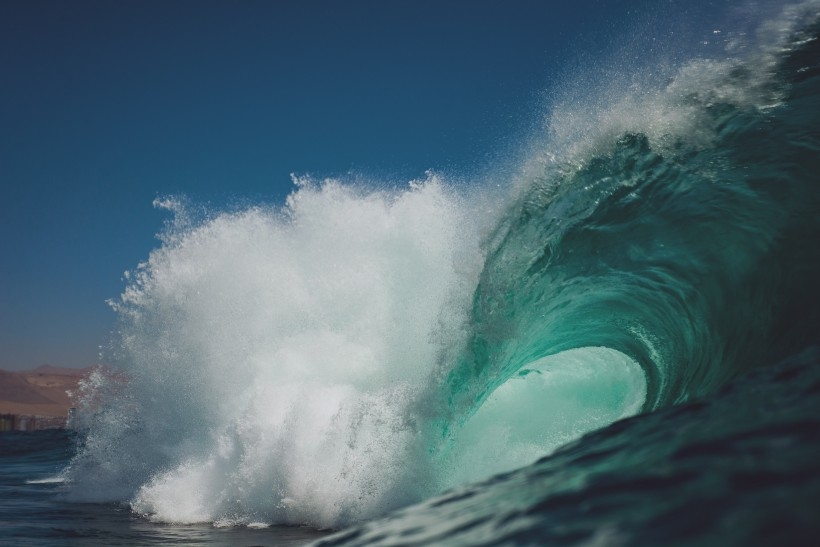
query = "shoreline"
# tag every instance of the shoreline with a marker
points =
(32, 422)
(38, 399)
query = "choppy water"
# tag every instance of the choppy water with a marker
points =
(35, 511)
(361, 350)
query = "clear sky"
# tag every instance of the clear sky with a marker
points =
(105, 106)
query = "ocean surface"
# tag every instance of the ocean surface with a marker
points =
(616, 343)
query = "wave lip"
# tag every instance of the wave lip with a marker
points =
(669, 231)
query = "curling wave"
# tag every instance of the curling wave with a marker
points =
(360, 349)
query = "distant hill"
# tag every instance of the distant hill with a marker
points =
(60, 371)
(39, 392)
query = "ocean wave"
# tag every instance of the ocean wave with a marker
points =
(360, 349)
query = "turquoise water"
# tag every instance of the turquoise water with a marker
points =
(636, 310)
(739, 467)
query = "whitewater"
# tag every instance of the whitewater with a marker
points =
(364, 347)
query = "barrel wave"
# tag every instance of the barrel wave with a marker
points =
(679, 236)
(361, 348)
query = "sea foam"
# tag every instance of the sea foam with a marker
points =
(274, 358)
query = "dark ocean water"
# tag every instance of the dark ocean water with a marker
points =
(35, 511)
(639, 314)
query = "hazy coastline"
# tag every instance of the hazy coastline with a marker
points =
(38, 398)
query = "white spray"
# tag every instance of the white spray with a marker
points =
(273, 360)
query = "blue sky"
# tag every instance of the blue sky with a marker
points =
(105, 106)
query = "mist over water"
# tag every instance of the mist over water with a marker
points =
(361, 348)
(276, 357)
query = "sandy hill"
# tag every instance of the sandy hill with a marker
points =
(38, 392)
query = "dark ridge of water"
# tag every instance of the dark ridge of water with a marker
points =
(741, 467)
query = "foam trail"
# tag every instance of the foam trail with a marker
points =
(47, 480)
